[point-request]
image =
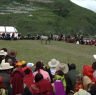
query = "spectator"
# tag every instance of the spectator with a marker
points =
(60, 76)
(5, 69)
(40, 69)
(3, 55)
(28, 76)
(79, 83)
(58, 88)
(17, 82)
(30, 65)
(86, 82)
(72, 74)
(82, 92)
(92, 89)
(44, 87)
(12, 55)
(47, 68)
(2, 87)
(88, 71)
(53, 63)
(94, 72)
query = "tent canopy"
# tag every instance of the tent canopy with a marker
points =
(7, 29)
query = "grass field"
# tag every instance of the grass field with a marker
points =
(32, 51)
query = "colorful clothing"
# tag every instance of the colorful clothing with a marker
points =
(44, 73)
(17, 82)
(44, 88)
(82, 92)
(88, 71)
(62, 78)
(59, 88)
(28, 78)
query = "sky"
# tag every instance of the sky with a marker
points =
(89, 4)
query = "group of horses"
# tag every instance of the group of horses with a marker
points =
(57, 38)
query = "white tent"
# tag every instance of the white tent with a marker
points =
(7, 29)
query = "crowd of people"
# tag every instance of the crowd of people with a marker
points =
(18, 77)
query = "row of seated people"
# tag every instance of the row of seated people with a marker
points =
(18, 77)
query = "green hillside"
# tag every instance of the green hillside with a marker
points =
(60, 16)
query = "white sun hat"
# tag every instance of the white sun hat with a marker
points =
(30, 64)
(94, 56)
(5, 66)
(63, 67)
(2, 52)
(53, 63)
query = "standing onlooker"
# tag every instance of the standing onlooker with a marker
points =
(3, 55)
(5, 70)
(40, 69)
(17, 82)
(72, 74)
(28, 76)
(42, 86)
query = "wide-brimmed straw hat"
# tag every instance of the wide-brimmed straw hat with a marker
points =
(2, 52)
(53, 63)
(5, 66)
(63, 67)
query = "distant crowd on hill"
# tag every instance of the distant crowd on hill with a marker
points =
(69, 39)
(19, 77)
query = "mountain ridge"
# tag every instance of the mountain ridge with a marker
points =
(60, 16)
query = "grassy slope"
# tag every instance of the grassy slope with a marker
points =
(78, 20)
(32, 51)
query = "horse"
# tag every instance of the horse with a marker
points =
(55, 37)
(45, 38)
(70, 39)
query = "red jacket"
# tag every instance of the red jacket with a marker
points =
(28, 78)
(88, 71)
(44, 88)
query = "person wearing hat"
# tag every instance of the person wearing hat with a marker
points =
(5, 69)
(53, 63)
(63, 67)
(61, 70)
(30, 65)
(11, 55)
(3, 55)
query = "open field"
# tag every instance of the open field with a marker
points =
(32, 51)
